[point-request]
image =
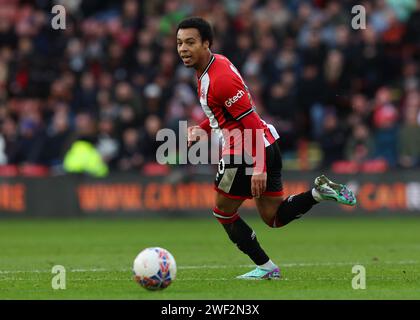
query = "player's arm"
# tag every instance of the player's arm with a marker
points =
(205, 125)
(252, 123)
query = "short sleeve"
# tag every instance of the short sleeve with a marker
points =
(232, 93)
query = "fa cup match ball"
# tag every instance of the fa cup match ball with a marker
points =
(154, 268)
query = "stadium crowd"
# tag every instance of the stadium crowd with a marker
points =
(112, 77)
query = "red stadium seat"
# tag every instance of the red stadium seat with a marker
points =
(345, 167)
(155, 169)
(374, 166)
(34, 170)
(9, 170)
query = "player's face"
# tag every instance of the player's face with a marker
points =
(190, 47)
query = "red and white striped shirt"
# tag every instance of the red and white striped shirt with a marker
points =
(228, 104)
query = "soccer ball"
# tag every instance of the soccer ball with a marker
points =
(154, 268)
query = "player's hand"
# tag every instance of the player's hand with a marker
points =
(195, 133)
(258, 184)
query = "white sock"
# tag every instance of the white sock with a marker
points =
(269, 265)
(316, 195)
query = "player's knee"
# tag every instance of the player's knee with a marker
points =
(270, 218)
(275, 223)
(272, 222)
(225, 217)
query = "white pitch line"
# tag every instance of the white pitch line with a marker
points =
(214, 279)
(294, 264)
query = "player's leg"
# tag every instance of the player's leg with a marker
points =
(233, 186)
(241, 234)
(267, 208)
(273, 209)
(277, 212)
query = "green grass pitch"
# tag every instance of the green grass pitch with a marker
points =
(316, 256)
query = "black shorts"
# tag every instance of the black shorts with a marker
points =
(233, 181)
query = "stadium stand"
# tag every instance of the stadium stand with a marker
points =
(113, 77)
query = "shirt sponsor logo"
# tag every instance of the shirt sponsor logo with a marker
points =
(235, 98)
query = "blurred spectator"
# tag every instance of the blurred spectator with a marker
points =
(31, 136)
(368, 62)
(385, 118)
(409, 139)
(153, 97)
(107, 144)
(380, 17)
(9, 134)
(412, 34)
(85, 97)
(147, 138)
(310, 92)
(336, 77)
(361, 111)
(284, 109)
(85, 128)
(182, 102)
(173, 13)
(107, 107)
(82, 157)
(402, 8)
(332, 140)
(360, 145)
(244, 45)
(58, 139)
(410, 80)
(130, 156)
(130, 106)
(275, 13)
